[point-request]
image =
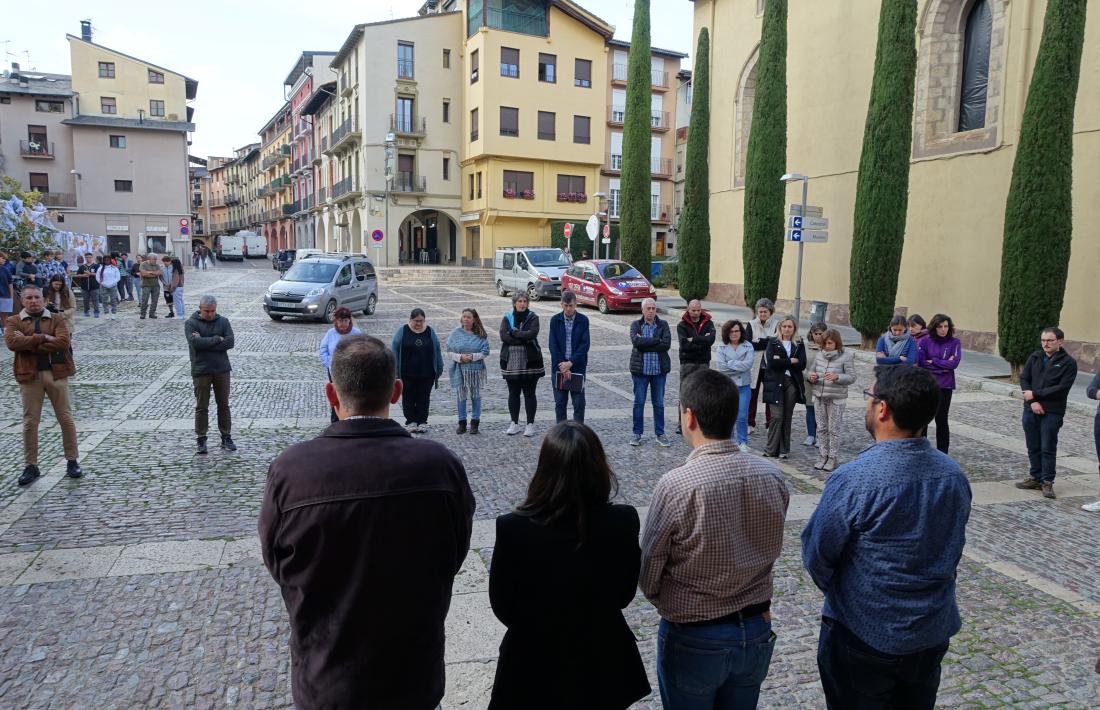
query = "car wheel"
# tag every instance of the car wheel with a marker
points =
(532, 293)
(501, 291)
(602, 305)
(330, 312)
(372, 302)
(275, 316)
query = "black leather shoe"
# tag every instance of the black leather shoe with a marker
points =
(227, 444)
(202, 445)
(30, 475)
(74, 470)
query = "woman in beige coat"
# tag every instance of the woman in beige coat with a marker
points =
(834, 370)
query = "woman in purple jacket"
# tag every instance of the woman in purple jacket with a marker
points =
(940, 353)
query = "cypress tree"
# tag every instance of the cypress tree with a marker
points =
(882, 188)
(766, 161)
(634, 215)
(693, 272)
(1039, 210)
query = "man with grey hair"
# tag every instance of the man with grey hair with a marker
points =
(149, 285)
(569, 344)
(649, 366)
(695, 332)
(209, 339)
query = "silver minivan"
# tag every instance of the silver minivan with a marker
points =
(314, 287)
(534, 270)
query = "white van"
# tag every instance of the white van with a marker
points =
(255, 244)
(537, 271)
(230, 247)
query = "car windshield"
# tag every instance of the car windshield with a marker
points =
(619, 270)
(548, 257)
(311, 272)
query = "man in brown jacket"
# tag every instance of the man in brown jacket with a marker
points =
(43, 364)
(364, 528)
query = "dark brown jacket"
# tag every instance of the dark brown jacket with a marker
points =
(27, 345)
(364, 529)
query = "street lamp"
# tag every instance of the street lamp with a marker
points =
(600, 196)
(796, 177)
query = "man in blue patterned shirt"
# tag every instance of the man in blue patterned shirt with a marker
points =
(884, 545)
(649, 366)
(569, 344)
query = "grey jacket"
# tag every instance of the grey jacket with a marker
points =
(736, 362)
(210, 348)
(843, 365)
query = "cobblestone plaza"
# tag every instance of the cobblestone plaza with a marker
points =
(140, 585)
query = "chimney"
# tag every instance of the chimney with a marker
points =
(86, 30)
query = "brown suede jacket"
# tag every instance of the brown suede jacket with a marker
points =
(27, 345)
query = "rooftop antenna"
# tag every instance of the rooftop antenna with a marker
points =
(27, 54)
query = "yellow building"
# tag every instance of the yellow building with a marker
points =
(961, 163)
(534, 138)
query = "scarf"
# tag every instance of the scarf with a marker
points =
(467, 377)
(896, 344)
(351, 324)
(519, 317)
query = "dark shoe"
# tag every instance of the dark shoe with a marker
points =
(227, 444)
(1029, 484)
(73, 470)
(474, 424)
(142, 317)
(202, 445)
(1048, 490)
(170, 315)
(153, 315)
(461, 427)
(30, 475)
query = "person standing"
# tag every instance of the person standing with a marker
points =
(342, 324)
(758, 331)
(784, 363)
(521, 361)
(712, 536)
(166, 284)
(150, 285)
(1093, 392)
(26, 272)
(834, 370)
(467, 348)
(565, 565)
(735, 359)
(918, 329)
(896, 346)
(570, 340)
(89, 285)
(107, 275)
(60, 300)
(209, 340)
(1046, 380)
(940, 353)
(813, 347)
(695, 333)
(419, 367)
(884, 545)
(342, 517)
(42, 366)
(175, 287)
(126, 280)
(650, 339)
(7, 291)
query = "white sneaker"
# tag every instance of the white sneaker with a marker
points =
(744, 448)
(751, 430)
(422, 429)
(529, 430)
(810, 441)
(513, 428)
(1093, 507)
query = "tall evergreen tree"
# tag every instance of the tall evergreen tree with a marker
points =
(882, 188)
(693, 239)
(1039, 211)
(766, 161)
(634, 215)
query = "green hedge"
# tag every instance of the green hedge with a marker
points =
(580, 240)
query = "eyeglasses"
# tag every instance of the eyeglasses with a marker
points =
(868, 394)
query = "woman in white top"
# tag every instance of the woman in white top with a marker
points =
(735, 358)
(757, 331)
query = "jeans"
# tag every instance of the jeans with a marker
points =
(561, 399)
(476, 401)
(108, 296)
(177, 301)
(91, 298)
(742, 427)
(528, 387)
(716, 667)
(656, 386)
(203, 383)
(857, 677)
(33, 393)
(416, 398)
(137, 289)
(126, 288)
(811, 419)
(779, 432)
(1041, 435)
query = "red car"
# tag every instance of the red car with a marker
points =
(608, 284)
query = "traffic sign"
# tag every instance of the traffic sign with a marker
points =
(184, 222)
(605, 240)
(593, 227)
(811, 210)
(567, 229)
(377, 235)
(808, 236)
(807, 223)
(184, 231)
(606, 233)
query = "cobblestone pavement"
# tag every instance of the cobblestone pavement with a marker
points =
(141, 586)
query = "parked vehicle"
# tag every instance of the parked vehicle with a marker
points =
(608, 284)
(231, 248)
(255, 245)
(315, 286)
(283, 259)
(534, 270)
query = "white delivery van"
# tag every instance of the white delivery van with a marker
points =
(230, 247)
(255, 244)
(534, 270)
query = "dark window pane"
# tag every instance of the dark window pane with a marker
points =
(582, 129)
(509, 121)
(509, 62)
(975, 70)
(548, 68)
(582, 73)
(547, 129)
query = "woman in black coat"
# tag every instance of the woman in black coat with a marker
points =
(565, 564)
(783, 363)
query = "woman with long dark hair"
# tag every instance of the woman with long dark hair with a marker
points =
(419, 365)
(521, 361)
(940, 353)
(60, 299)
(565, 565)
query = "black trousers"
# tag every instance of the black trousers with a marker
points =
(416, 399)
(943, 429)
(528, 388)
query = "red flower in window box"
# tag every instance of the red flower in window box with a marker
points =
(509, 193)
(528, 194)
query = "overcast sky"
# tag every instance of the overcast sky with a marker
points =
(240, 51)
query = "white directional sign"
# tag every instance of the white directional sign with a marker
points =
(593, 227)
(811, 210)
(807, 223)
(807, 236)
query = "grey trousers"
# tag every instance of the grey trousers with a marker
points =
(779, 432)
(149, 297)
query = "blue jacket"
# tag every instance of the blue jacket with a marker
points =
(582, 340)
(910, 353)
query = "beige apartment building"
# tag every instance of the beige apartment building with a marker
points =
(664, 70)
(682, 123)
(274, 192)
(961, 164)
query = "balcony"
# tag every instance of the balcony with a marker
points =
(322, 196)
(660, 167)
(660, 213)
(305, 203)
(346, 189)
(658, 79)
(346, 135)
(534, 23)
(286, 150)
(217, 202)
(324, 144)
(270, 160)
(410, 182)
(290, 208)
(264, 191)
(618, 73)
(616, 115)
(404, 125)
(232, 200)
(614, 163)
(405, 69)
(658, 120)
(345, 85)
(36, 149)
(59, 199)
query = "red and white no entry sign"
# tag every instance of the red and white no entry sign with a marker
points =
(184, 221)
(567, 229)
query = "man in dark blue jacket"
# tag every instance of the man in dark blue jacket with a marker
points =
(569, 344)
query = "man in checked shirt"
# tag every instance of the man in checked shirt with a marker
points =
(713, 533)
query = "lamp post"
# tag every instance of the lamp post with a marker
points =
(600, 197)
(389, 158)
(796, 177)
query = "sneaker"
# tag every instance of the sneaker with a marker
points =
(73, 470)
(97, 314)
(1092, 508)
(529, 430)
(227, 444)
(201, 449)
(422, 428)
(663, 441)
(1048, 490)
(751, 430)
(810, 441)
(636, 441)
(1029, 484)
(513, 429)
(410, 427)
(30, 475)
(743, 448)
(783, 456)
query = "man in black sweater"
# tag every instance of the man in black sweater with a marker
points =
(1046, 381)
(696, 334)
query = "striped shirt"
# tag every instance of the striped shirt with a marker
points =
(713, 533)
(568, 338)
